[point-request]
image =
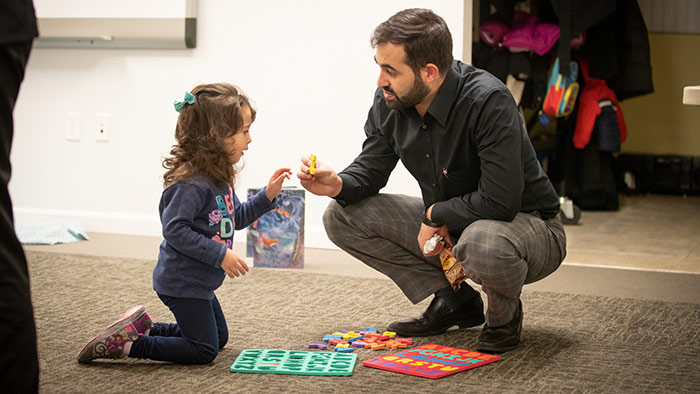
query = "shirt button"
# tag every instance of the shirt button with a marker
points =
(427, 155)
(434, 185)
(424, 127)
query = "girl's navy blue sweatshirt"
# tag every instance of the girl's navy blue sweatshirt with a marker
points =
(198, 221)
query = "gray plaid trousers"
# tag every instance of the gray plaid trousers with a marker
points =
(382, 232)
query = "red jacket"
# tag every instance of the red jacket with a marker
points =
(594, 90)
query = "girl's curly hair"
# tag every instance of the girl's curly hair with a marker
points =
(201, 130)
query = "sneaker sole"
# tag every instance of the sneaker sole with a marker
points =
(127, 318)
(136, 310)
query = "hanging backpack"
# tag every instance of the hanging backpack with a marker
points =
(562, 91)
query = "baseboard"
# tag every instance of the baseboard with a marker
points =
(143, 224)
(96, 221)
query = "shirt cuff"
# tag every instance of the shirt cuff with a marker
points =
(437, 214)
(214, 255)
(346, 191)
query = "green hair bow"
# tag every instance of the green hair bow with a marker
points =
(179, 105)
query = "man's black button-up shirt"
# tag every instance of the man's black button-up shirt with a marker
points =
(470, 153)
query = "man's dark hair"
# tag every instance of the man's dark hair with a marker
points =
(424, 35)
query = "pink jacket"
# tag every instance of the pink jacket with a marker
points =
(525, 35)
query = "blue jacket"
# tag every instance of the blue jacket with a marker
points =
(198, 221)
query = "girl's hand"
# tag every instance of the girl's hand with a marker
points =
(325, 182)
(276, 180)
(233, 265)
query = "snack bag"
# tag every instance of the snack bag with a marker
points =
(451, 267)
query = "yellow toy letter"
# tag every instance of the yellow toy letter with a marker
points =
(312, 167)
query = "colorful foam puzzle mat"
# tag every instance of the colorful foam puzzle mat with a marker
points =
(431, 361)
(294, 362)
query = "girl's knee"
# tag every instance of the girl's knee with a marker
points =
(223, 340)
(210, 356)
(206, 354)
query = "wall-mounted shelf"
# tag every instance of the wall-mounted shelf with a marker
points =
(161, 24)
(691, 95)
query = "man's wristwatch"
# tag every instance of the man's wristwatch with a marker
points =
(429, 222)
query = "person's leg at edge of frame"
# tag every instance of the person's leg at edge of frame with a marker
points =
(19, 363)
(381, 232)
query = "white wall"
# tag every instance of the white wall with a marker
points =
(307, 64)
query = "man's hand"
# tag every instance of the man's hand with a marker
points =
(426, 232)
(234, 265)
(324, 183)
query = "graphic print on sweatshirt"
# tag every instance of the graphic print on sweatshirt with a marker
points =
(223, 216)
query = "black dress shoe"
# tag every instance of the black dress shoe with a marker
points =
(503, 338)
(463, 309)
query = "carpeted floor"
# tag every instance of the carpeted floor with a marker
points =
(571, 343)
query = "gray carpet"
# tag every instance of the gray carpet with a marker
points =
(571, 343)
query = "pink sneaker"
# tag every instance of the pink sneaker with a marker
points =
(140, 319)
(110, 342)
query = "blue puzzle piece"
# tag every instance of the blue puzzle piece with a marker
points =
(329, 337)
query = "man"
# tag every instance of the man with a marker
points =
(458, 132)
(19, 367)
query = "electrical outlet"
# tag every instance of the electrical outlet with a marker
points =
(103, 127)
(73, 126)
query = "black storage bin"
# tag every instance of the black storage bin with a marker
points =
(634, 173)
(672, 174)
(664, 174)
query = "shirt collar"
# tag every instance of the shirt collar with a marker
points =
(444, 99)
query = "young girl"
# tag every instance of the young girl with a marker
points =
(199, 212)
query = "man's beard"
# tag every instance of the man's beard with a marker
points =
(418, 92)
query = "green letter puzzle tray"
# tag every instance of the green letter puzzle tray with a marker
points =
(294, 362)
